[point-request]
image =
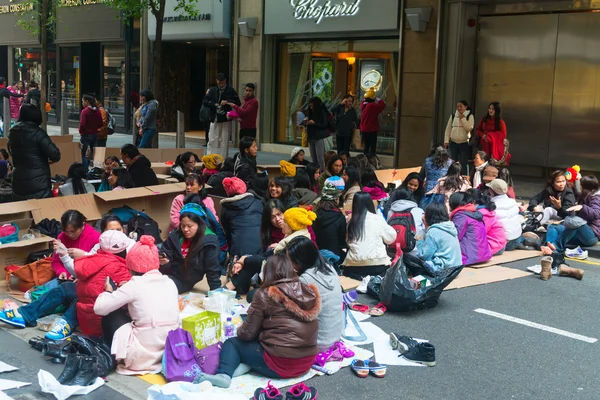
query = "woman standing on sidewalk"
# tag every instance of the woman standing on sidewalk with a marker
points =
(456, 138)
(147, 122)
(316, 129)
(371, 108)
(90, 122)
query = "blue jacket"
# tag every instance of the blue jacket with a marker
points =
(440, 249)
(430, 173)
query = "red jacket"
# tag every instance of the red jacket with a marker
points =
(369, 119)
(494, 145)
(91, 273)
(90, 121)
(248, 113)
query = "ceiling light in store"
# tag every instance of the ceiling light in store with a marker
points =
(188, 42)
(351, 60)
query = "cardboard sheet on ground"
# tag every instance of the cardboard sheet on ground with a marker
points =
(7, 384)
(384, 354)
(4, 396)
(4, 367)
(348, 283)
(509, 256)
(474, 276)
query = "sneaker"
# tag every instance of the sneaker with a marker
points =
(422, 353)
(268, 393)
(402, 343)
(301, 392)
(61, 330)
(577, 253)
(362, 288)
(12, 317)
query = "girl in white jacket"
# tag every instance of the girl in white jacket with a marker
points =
(368, 233)
(458, 130)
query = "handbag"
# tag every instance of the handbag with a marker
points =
(97, 348)
(182, 361)
(33, 274)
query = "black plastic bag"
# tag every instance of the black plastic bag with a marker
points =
(395, 291)
(49, 227)
(97, 348)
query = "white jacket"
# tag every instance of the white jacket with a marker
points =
(457, 130)
(370, 250)
(507, 211)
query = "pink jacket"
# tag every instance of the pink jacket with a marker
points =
(89, 238)
(15, 103)
(153, 305)
(496, 235)
(177, 205)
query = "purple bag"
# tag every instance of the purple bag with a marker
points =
(182, 361)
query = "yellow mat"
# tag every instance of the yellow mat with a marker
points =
(509, 256)
(153, 379)
(477, 276)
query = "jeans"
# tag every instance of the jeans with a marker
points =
(512, 244)
(218, 138)
(370, 142)
(65, 294)
(343, 143)
(460, 152)
(87, 142)
(146, 141)
(236, 351)
(317, 152)
(561, 237)
(242, 280)
(251, 132)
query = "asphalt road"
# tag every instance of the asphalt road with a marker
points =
(478, 356)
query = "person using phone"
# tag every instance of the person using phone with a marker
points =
(554, 199)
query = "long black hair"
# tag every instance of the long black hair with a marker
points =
(353, 178)
(183, 158)
(420, 192)
(497, 114)
(436, 213)
(361, 204)
(196, 242)
(369, 179)
(460, 199)
(311, 170)
(266, 227)
(228, 165)
(301, 180)
(245, 144)
(482, 199)
(77, 173)
(332, 161)
(286, 186)
(107, 219)
(589, 186)
(195, 178)
(304, 255)
(124, 178)
(440, 157)
(453, 179)
(317, 107)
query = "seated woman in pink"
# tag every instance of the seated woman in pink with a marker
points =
(194, 184)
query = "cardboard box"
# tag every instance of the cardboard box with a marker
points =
(204, 327)
(54, 208)
(70, 152)
(134, 198)
(386, 176)
(62, 139)
(171, 154)
(16, 253)
(161, 168)
(158, 204)
(217, 201)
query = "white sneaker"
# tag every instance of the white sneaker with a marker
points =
(362, 288)
(577, 253)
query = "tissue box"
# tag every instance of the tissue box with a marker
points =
(205, 328)
(418, 282)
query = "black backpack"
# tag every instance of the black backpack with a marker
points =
(140, 225)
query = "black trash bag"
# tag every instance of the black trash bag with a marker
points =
(91, 347)
(49, 227)
(395, 291)
(95, 173)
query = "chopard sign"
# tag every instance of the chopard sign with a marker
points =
(317, 10)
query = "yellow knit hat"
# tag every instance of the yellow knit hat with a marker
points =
(371, 94)
(212, 161)
(299, 218)
(287, 169)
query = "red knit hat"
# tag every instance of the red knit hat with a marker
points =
(143, 256)
(234, 186)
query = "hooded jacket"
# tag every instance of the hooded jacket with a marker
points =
(141, 172)
(90, 121)
(206, 262)
(92, 272)
(567, 198)
(148, 118)
(330, 230)
(283, 317)
(245, 168)
(346, 120)
(304, 196)
(494, 230)
(377, 193)
(241, 218)
(471, 234)
(31, 149)
(507, 211)
(331, 317)
(216, 183)
(407, 205)
(457, 129)
(591, 212)
(441, 248)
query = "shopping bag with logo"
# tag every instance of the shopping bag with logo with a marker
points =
(182, 361)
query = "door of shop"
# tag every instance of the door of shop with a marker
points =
(545, 71)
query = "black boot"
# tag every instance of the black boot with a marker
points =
(87, 373)
(37, 342)
(58, 350)
(72, 366)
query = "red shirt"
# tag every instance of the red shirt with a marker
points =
(90, 121)
(289, 367)
(185, 248)
(369, 118)
(248, 113)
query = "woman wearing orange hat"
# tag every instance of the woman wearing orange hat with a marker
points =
(371, 107)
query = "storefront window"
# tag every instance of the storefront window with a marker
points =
(114, 82)
(134, 71)
(70, 78)
(330, 70)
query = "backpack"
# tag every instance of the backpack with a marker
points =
(138, 223)
(404, 225)
(112, 123)
(182, 361)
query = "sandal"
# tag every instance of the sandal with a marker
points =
(378, 310)
(361, 368)
(363, 308)
(378, 370)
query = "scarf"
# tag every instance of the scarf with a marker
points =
(478, 174)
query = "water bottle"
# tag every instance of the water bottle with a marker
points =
(229, 329)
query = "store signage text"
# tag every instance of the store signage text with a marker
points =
(182, 18)
(77, 3)
(317, 10)
(13, 8)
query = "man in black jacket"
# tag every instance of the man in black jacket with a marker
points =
(34, 96)
(221, 127)
(139, 166)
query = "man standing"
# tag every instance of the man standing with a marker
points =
(217, 99)
(247, 112)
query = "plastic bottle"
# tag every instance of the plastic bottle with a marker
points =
(229, 329)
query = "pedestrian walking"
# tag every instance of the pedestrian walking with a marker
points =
(90, 121)
(217, 99)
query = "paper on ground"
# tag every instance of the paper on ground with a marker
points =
(384, 354)
(372, 331)
(189, 391)
(4, 367)
(4, 396)
(358, 316)
(49, 384)
(6, 384)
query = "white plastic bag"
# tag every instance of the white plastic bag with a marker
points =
(49, 384)
(188, 391)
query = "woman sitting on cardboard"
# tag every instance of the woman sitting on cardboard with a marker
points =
(278, 339)
(76, 182)
(193, 184)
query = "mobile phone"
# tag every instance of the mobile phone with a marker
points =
(162, 254)
(243, 316)
(113, 284)
(391, 186)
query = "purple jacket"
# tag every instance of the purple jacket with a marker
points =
(591, 212)
(471, 235)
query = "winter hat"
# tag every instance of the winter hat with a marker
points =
(371, 94)
(490, 172)
(287, 169)
(212, 161)
(234, 186)
(193, 208)
(143, 256)
(114, 242)
(296, 151)
(299, 218)
(333, 188)
(498, 186)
